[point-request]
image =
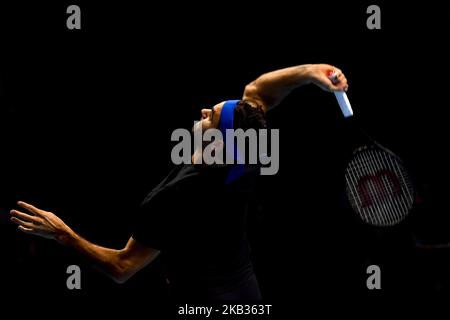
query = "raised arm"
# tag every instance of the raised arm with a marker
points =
(118, 264)
(271, 88)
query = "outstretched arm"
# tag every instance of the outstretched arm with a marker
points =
(271, 88)
(118, 264)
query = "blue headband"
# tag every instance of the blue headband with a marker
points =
(227, 122)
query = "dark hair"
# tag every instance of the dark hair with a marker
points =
(247, 116)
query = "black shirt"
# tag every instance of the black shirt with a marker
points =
(198, 222)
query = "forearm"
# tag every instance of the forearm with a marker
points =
(106, 260)
(120, 265)
(271, 88)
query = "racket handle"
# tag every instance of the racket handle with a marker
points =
(344, 103)
(341, 97)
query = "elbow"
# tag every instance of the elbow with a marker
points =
(119, 276)
(119, 280)
(121, 272)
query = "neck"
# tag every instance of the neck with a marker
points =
(197, 156)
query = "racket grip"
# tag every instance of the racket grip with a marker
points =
(344, 103)
(341, 96)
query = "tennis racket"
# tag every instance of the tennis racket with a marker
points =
(378, 186)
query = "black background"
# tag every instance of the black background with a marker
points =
(86, 118)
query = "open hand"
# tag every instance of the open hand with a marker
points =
(39, 222)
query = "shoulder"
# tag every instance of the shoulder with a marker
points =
(178, 177)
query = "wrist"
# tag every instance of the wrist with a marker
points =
(65, 236)
(307, 72)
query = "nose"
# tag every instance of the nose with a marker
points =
(205, 113)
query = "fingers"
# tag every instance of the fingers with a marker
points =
(331, 87)
(22, 223)
(25, 217)
(26, 230)
(343, 84)
(31, 222)
(335, 74)
(29, 208)
(337, 86)
(337, 79)
(340, 84)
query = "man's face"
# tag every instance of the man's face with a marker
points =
(209, 118)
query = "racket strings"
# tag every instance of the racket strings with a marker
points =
(377, 202)
(385, 196)
(371, 195)
(382, 192)
(378, 187)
